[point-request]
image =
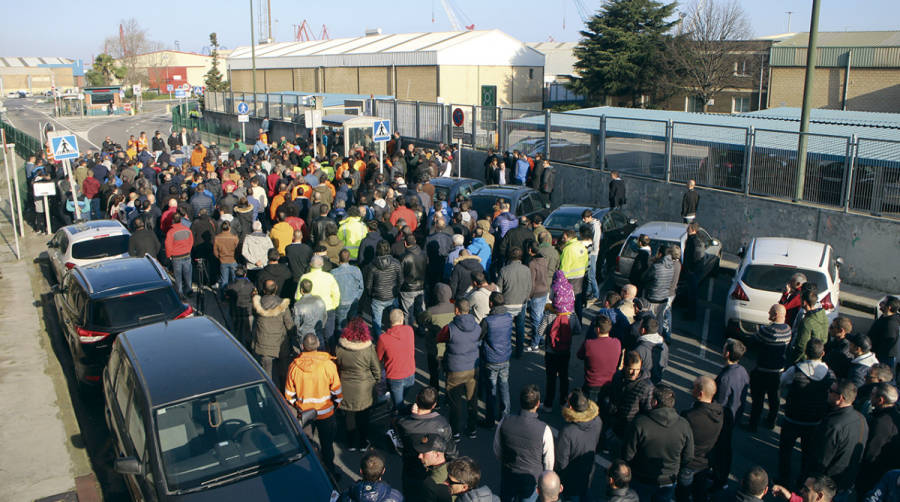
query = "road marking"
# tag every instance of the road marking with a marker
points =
(705, 332)
(64, 125)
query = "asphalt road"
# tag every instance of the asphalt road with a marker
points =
(30, 114)
(695, 351)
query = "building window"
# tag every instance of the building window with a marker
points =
(741, 69)
(693, 104)
(530, 73)
(740, 104)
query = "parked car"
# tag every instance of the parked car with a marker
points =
(615, 224)
(96, 302)
(666, 233)
(85, 243)
(451, 187)
(523, 201)
(561, 150)
(766, 267)
(194, 418)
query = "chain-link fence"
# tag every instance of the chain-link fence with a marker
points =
(773, 172)
(636, 147)
(875, 184)
(571, 142)
(712, 156)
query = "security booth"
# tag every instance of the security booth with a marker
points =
(103, 100)
(354, 129)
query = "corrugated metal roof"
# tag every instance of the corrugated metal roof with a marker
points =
(466, 48)
(836, 57)
(726, 129)
(559, 57)
(823, 116)
(32, 61)
(844, 39)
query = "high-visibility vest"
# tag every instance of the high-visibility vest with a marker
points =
(351, 232)
(574, 260)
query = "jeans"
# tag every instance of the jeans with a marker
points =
(790, 432)
(654, 493)
(328, 333)
(412, 303)
(95, 209)
(497, 375)
(343, 314)
(764, 384)
(517, 487)
(518, 315)
(378, 308)
(665, 325)
(591, 288)
(398, 388)
(536, 314)
(226, 273)
(268, 365)
(557, 367)
(463, 406)
(183, 269)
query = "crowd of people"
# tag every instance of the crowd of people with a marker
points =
(336, 269)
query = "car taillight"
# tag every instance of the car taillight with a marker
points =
(69, 265)
(187, 313)
(738, 294)
(826, 302)
(90, 336)
(617, 263)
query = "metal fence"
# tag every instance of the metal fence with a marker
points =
(710, 155)
(635, 146)
(875, 186)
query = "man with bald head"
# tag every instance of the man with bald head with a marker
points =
(549, 487)
(706, 419)
(626, 306)
(773, 340)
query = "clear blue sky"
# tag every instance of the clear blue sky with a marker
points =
(77, 29)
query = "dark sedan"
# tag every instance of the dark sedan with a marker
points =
(616, 226)
(451, 187)
(523, 201)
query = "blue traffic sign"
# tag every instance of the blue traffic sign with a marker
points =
(64, 147)
(198, 90)
(243, 108)
(180, 94)
(170, 88)
(381, 130)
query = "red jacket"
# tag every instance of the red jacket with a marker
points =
(179, 241)
(396, 348)
(408, 216)
(90, 187)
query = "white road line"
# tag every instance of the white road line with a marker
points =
(705, 333)
(65, 126)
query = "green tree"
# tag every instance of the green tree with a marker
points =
(622, 51)
(213, 77)
(104, 71)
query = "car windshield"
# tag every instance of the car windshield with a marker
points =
(135, 308)
(100, 247)
(211, 439)
(483, 205)
(774, 277)
(559, 219)
(441, 189)
(631, 247)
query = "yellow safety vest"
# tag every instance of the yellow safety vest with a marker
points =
(574, 260)
(351, 232)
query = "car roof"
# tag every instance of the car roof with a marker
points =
(576, 209)
(89, 229)
(114, 277)
(662, 230)
(187, 357)
(787, 251)
(449, 182)
(506, 191)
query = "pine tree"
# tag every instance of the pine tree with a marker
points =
(213, 77)
(622, 49)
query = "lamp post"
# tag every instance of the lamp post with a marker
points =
(807, 100)
(253, 54)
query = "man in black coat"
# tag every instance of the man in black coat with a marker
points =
(421, 421)
(239, 294)
(616, 191)
(689, 203)
(515, 238)
(881, 449)
(298, 254)
(143, 241)
(840, 440)
(707, 420)
(885, 332)
(278, 272)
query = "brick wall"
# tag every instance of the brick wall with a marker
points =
(871, 89)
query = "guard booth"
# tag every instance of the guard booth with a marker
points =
(103, 101)
(355, 130)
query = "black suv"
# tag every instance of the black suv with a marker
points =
(96, 302)
(195, 418)
(523, 201)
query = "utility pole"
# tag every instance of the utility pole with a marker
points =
(811, 54)
(253, 54)
(269, 38)
(789, 20)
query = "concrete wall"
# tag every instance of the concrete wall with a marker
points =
(871, 89)
(517, 87)
(870, 246)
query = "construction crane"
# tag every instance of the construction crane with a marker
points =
(303, 33)
(580, 8)
(454, 13)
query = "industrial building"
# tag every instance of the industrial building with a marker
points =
(482, 67)
(158, 69)
(39, 74)
(873, 61)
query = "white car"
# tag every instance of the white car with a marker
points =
(666, 233)
(767, 266)
(86, 242)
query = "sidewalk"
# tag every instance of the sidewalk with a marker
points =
(40, 460)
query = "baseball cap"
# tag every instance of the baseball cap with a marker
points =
(430, 442)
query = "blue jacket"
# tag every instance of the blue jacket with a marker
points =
(731, 388)
(480, 248)
(462, 347)
(620, 326)
(522, 166)
(503, 223)
(496, 343)
(887, 490)
(350, 282)
(371, 492)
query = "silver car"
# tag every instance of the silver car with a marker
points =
(85, 243)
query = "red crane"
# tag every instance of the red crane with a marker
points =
(303, 33)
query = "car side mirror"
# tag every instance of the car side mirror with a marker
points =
(632, 221)
(546, 205)
(307, 417)
(128, 465)
(839, 261)
(715, 242)
(742, 251)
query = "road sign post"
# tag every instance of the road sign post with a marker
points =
(381, 132)
(64, 145)
(45, 189)
(313, 120)
(11, 196)
(458, 118)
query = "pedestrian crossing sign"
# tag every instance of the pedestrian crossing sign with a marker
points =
(381, 130)
(64, 147)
